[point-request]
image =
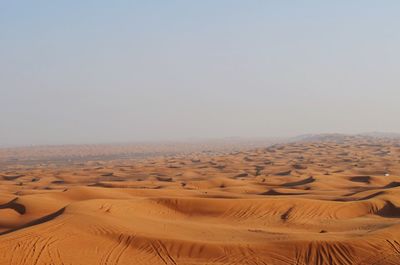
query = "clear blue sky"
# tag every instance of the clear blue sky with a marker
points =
(112, 71)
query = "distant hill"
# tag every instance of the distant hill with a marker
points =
(382, 134)
(320, 137)
(338, 137)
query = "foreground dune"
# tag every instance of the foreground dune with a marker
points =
(321, 202)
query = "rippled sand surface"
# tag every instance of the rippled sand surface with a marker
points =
(332, 201)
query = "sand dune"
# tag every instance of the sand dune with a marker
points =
(306, 202)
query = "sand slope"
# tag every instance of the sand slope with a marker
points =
(324, 202)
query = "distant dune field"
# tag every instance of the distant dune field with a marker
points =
(317, 200)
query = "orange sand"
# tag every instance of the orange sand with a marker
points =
(324, 202)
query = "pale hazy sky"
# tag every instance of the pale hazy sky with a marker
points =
(117, 71)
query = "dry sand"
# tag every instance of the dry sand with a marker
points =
(323, 202)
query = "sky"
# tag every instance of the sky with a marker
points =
(76, 72)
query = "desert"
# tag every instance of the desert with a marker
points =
(199, 132)
(323, 200)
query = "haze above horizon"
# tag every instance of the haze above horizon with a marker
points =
(100, 71)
